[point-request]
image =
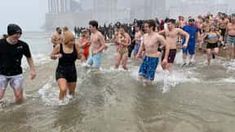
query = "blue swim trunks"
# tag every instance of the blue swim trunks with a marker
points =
(148, 67)
(95, 60)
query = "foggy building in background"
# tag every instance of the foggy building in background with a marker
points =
(196, 7)
(59, 6)
(74, 13)
(65, 13)
(104, 10)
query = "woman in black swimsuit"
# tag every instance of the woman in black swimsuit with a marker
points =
(66, 74)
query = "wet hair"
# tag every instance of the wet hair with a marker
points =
(173, 21)
(139, 23)
(191, 20)
(166, 20)
(124, 27)
(57, 28)
(93, 23)
(151, 23)
(65, 28)
(117, 24)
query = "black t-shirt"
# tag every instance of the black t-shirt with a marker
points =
(11, 56)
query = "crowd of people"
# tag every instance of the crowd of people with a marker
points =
(145, 40)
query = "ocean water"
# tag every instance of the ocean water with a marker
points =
(194, 98)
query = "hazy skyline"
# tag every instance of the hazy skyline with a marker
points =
(29, 14)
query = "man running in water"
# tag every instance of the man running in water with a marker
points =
(97, 45)
(172, 35)
(150, 44)
(193, 31)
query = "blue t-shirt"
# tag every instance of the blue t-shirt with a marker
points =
(192, 31)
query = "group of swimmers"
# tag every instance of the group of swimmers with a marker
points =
(150, 43)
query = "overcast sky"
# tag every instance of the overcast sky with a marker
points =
(29, 14)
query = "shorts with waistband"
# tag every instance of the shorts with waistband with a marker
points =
(211, 45)
(148, 67)
(16, 82)
(171, 56)
(94, 60)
